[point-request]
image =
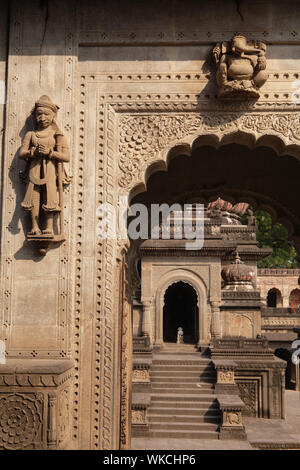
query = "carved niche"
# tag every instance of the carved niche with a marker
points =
(241, 68)
(249, 394)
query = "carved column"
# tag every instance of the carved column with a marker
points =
(216, 320)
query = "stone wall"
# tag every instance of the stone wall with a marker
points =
(286, 281)
(132, 80)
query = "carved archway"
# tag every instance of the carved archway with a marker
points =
(148, 142)
(194, 280)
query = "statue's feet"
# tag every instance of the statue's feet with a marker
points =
(35, 231)
(48, 231)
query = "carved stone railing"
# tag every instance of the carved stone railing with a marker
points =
(35, 397)
(237, 295)
(279, 312)
(233, 347)
(278, 272)
(239, 232)
(232, 427)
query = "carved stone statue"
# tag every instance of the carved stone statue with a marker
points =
(251, 219)
(180, 335)
(44, 149)
(240, 68)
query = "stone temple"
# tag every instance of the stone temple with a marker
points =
(107, 340)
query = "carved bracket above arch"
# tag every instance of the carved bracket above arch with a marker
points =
(146, 139)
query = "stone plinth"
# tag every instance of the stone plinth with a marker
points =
(256, 372)
(139, 420)
(35, 397)
(232, 423)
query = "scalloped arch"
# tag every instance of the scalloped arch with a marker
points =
(160, 161)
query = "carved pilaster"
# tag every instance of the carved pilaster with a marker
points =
(216, 320)
(146, 328)
(51, 431)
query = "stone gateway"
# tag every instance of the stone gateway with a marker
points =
(156, 103)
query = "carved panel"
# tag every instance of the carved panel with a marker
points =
(21, 417)
(140, 375)
(138, 416)
(225, 376)
(232, 418)
(16, 112)
(241, 325)
(249, 394)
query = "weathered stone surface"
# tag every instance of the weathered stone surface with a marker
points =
(135, 90)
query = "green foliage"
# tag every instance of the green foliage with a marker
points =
(274, 235)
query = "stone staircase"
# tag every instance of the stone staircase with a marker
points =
(182, 403)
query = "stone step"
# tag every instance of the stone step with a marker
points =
(182, 362)
(181, 368)
(182, 388)
(186, 397)
(174, 418)
(165, 426)
(183, 373)
(189, 407)
(162, 379)
(184, 434)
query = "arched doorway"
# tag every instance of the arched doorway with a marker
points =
(181, 310)
(294, 299)
(274, 298)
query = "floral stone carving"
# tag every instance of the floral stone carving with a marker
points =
(20, 421)
(240, 68)
(143, 137)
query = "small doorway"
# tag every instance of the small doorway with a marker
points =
(180, 310)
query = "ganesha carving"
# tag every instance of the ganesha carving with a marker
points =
(241, 68)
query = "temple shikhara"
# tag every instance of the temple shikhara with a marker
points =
(113, 341)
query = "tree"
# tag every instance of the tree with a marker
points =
(274, 235)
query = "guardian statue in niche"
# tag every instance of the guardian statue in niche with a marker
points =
(44, 149)
(240, 68)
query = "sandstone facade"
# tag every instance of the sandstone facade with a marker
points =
(136, 87)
